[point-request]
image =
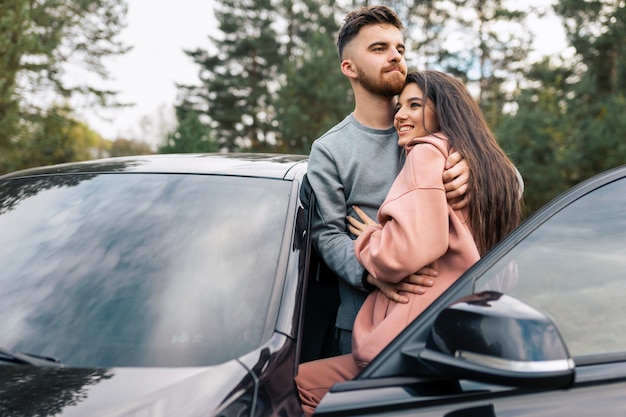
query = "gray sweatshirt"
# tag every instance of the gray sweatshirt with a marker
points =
(349, 165)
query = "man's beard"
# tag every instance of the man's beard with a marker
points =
(386, 88)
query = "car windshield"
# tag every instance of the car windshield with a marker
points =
(138, 269)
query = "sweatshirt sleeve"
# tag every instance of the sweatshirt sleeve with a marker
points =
(329, 231)
(414, 220)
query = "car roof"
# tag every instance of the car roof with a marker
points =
(276, 166)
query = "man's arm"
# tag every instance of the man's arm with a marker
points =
(455, 179)
(328, 230)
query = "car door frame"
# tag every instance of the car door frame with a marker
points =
(392, 369)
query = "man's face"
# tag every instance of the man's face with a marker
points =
(377, 53)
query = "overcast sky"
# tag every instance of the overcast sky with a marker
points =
(159, 30)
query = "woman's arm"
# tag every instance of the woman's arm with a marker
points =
(414, 220)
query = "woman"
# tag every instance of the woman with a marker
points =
(435, 114)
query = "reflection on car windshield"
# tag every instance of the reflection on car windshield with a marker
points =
(138, 269)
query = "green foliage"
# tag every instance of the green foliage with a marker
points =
(191, 136)
(275, 83)
(535, 136)
(597, 30)
(39, 39)
(569, 124)
(126, 147)
(272, 80)
(315, 95)
(52, 138)
(237, 81)
(482, 42)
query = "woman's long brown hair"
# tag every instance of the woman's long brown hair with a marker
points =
(495, 203)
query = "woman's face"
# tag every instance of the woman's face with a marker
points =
(415, 116)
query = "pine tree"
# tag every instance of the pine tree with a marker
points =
(569, 122)
(314, 95)
(190, 136)
(238, 81)
(483, 42)
(536, 135)
(596, 100)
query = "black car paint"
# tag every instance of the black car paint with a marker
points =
(258, 383)
(254, 385)
(261, 382)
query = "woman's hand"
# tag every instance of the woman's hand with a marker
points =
(416, 284)
(357, 227)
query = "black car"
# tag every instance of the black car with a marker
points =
(186, 285)
(152, 286)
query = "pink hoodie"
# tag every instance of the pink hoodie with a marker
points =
(417, 228)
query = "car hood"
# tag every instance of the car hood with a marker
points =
(72, 392)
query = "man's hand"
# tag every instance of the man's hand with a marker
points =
(357, 227)
(455, 178)
(416, 284)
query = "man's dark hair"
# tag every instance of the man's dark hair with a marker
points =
(365, 16)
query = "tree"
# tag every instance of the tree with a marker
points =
(39, 40)
(127, 147)
(569, 122)
(597, 30)
(483, 42)
(274, 84)
(314, 95)
(596, 101)
(190, 136)
(237, 81)
(536, 135)
(54, 139)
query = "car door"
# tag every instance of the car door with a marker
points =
(573, 268)
(569, 262)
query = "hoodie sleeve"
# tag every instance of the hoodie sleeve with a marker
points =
(414, 223)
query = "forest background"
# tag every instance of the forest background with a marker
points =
(270, 81)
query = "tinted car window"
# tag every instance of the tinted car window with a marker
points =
(573, 268)
(138, 269)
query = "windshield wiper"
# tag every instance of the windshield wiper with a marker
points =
(21, 358)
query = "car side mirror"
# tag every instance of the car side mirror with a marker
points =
(495, 338)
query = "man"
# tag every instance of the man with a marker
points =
(355, 162)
